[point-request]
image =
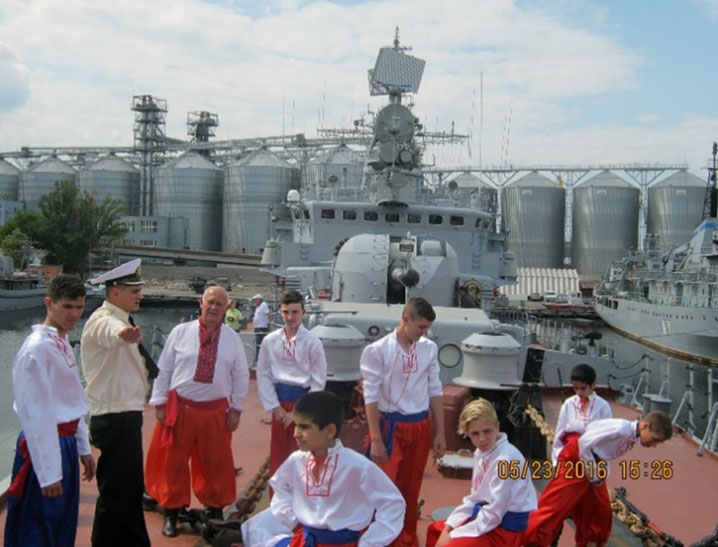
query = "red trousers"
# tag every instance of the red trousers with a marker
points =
(587, 503)
(283, 442)
(405, 468)
(498, 537)
(200, 436)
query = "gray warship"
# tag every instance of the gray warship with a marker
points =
(393, 201)
(670, 301)
(367, 256)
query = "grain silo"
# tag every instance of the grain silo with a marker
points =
(471, 191)
(112, 177)
(190, 186)
(337, 173)
(605, 223)
(534, 213)
(9, 181)
(675, 207)
(254, 185)
(40, 179)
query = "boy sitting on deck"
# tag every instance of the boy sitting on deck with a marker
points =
(579, 488)
(328, 494)
(497, 509)
(580, 409)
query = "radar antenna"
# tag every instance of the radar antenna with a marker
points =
(395, 72)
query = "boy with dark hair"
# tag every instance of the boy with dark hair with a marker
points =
(330, 494)
(579, 488)
(580, 409)
(291, 363)
(496, 510)
(401, 384)
(50, 403)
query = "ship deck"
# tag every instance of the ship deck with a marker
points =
(693, 487)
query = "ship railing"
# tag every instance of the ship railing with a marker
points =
(710, 437)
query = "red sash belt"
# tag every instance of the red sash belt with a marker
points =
(17, 488)
(172, 411)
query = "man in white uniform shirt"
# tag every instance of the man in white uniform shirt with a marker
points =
(117, 385)
(198, 398)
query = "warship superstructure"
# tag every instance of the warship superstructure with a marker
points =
(394, 201)
(670, 301)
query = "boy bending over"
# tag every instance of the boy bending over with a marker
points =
(579, 488)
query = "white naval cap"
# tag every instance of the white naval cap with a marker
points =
(258, 296)
(128, 273)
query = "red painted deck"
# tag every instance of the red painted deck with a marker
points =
(683, 506)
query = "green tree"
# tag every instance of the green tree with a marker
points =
(72, 224)
(16, 245)
(25, 221)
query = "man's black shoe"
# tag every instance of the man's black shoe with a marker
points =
(169, 528)
(148, 502)
(214, 513)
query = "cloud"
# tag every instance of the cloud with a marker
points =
(294, 65)
(15, 88)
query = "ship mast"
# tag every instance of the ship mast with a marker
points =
(710, 204)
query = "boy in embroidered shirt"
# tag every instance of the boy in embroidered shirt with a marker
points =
(51, 405)
(291, 363)
(328, 494)
(580, 409)
(401, 383)
(586, 498)
(496, 510)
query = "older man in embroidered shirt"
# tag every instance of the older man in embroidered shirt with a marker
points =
(198, 398)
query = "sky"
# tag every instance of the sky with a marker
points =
(542, 82)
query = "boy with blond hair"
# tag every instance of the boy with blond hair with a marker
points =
(496, 510)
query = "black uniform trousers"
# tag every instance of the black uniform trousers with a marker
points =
(119, 518)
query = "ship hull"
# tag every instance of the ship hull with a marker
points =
(19, 299)
(685, 332)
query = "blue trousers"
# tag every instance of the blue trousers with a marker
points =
(35, 519)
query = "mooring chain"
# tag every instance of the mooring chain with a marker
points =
(252, 493)
(634, 523)
(540, 423)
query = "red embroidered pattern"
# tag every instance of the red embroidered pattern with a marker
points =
(409, 364)
(482, 467)
(322, 486)
(64, 349)
(289, 349)
(207, 357)
(584, 415)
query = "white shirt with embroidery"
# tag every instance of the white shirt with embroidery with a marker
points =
(47, 392)
(298, 361)
(400, 381)
(606, 440)
(178, 363)
(573, 418)
(350, 493)
(499, 494)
